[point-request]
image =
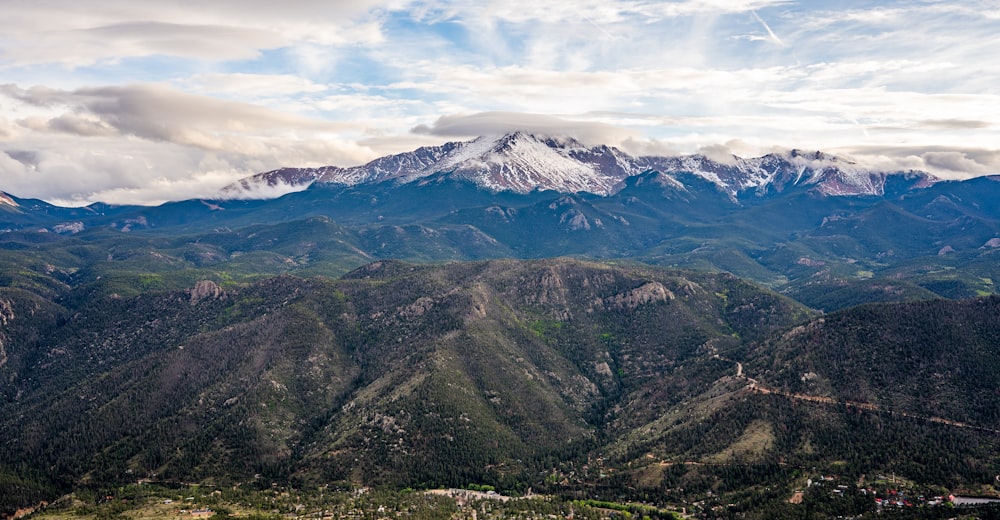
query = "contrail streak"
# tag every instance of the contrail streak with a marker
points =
(767, 28)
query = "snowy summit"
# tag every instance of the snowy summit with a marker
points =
(522, 162)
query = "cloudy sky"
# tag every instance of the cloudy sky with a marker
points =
(142, 102)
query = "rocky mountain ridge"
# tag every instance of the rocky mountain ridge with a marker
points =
(521, 162)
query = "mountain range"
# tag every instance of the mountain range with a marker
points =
(522, 162)
(520, 312)
(820, 229)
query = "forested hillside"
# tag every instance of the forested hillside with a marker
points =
(397, 374)
(635, 382)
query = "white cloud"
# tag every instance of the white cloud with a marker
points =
(495, 123)
(251, 86)
(69, 124)
(156, 96)
(81, 47)
(149, 143)
(719, 153)
(62, 168)
(945, 162)
(649, 147)
(598, 11)
(78, 34)
(955, 162)
(159, 113)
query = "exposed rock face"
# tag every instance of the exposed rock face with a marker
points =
(647, 293)
(205, 290)
(575, 220)
(417, 308)
(71, 228)
(6, 312)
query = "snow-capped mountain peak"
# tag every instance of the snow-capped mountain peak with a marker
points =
(523, 162)
(518, 161)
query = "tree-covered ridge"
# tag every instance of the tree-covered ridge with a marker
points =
(827, 252)
(933, 358)
(399, 373)
(627, 383)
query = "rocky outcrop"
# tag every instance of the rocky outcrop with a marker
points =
(649, 292)
(417, 308)
(206, 290)
(6, 312)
